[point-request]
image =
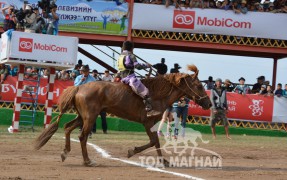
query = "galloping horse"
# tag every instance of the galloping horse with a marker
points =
(117, 98)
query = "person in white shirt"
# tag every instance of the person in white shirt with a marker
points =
(107, 76)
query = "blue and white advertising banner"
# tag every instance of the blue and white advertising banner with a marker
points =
(210, 21)
(97, 16)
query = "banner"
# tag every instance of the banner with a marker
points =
(246, 107)
(101, 16)
(210, 21)
(9, 90)
(41, 47)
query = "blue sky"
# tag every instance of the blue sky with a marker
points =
(223, 66)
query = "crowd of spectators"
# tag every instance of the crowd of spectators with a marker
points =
(238, 6)
(262, 87)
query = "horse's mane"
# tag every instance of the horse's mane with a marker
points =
(161, 86)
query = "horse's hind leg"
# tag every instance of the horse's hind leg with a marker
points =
(88, 123)
(69, 127)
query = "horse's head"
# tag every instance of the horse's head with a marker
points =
(192, 87)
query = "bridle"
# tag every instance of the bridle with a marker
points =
(199, 97)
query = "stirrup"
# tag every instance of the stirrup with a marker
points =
(153, 113)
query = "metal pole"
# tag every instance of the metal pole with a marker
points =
(130, 16)
(274, 72)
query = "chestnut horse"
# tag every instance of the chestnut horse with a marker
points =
(117, 98)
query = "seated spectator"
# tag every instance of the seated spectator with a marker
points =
(161, 67)
(13, 70)
(242, 88)
(269, 91)
(64, 75)
(107, 76)
(279, 90)
(46, 73)
(196, 4)
(228, 85)
(3, 73)
(175, 69)
(209, 83)
(284, 93)
(257, 86)
(212, 4)
(226, 5)
(243, 8)
(96, 75)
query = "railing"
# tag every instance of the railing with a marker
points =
(210, 38)
(190, 120)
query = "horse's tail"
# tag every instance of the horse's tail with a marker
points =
(65, 102)
(47, 134)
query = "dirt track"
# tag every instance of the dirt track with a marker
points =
(243, 158)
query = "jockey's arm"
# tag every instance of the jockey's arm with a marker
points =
(138, 65)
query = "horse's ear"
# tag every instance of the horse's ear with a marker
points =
(196, 73)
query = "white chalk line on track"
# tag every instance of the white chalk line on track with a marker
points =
(106, 155)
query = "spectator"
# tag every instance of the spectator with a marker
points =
(85, 77)
(103, 114)
(262, 90)
(243, 8)
(75, 71)
(80, 63)
(167, 116)
(257, 86)
(107, 76)
(226, 5)
(219, 107)
(46, 73)
(209, 83)
(65, 75)
(236, 7)
(269, 91)
(96, 75)
(284, 93)
(52, 21)
(196, 4)
(13, 70)
(3, 73)
(175, 69)
(279, 90)
(9, 18)
(161, 67)
(30, 20)
(228, 85)
(181, 110)
(242, 88)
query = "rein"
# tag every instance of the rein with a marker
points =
(199, 97)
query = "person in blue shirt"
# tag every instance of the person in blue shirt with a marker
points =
(279, 90)
(85, 77)
(284, 93)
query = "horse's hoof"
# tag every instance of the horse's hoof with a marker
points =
(91, 163)
(130, 153)
(166, 163)
(63, 156)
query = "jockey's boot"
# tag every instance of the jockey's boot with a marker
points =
(148, 107)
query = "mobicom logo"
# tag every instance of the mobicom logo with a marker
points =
(27, 45)
(188, 20)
